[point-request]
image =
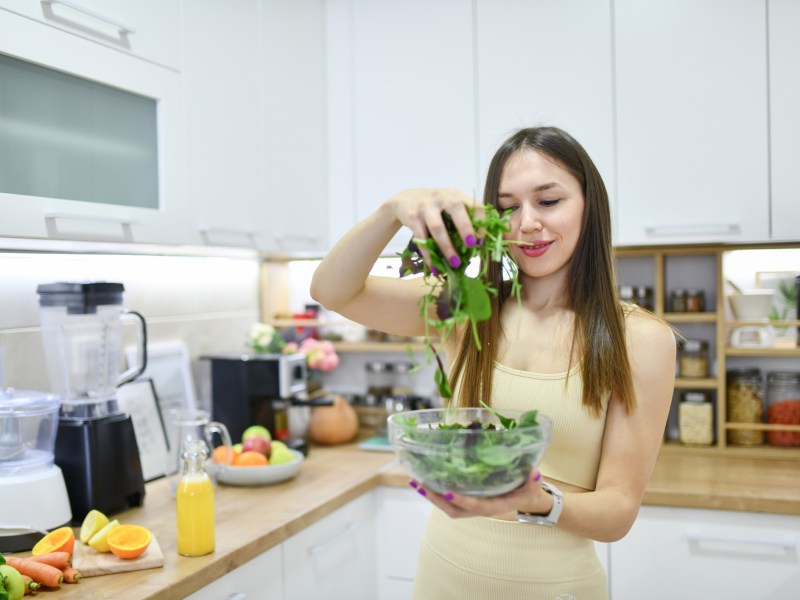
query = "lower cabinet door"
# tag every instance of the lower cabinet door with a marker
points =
(257, 579)
(693, 553)
(334, 558)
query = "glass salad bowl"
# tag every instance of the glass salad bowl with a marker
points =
(471, 451)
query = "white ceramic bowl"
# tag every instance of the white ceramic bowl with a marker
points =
(268, 474)
(752, 305)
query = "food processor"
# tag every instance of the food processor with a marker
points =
(33, 497)
(95, 444)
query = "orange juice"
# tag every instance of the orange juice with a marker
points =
(195, 509)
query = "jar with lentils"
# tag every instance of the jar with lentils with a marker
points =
(745, 405)
(783, 406)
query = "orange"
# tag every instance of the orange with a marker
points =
(250, 458)
(221, 455)
(129, 541)
(58, 540)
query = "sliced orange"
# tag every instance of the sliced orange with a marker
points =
(250, 458)
(58, 540)
(129, 541)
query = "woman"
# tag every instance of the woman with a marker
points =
(604, 372)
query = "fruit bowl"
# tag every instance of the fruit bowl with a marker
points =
(260, 475)
(469, 451)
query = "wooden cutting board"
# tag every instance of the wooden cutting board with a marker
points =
(92, 563)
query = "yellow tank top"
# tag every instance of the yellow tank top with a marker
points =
(574, 453)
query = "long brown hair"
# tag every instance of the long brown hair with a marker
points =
(599, 327)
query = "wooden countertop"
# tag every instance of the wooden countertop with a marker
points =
(251, 520)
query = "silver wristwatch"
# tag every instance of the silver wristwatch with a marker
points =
(551, 518)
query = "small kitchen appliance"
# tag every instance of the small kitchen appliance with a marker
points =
(262, 389)
(95, 444)
(33, 496)
(752, 305)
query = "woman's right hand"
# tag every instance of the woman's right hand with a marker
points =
(420, 210)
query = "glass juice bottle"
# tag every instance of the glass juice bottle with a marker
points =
(195, 503)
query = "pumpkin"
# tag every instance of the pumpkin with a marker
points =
(335, 424)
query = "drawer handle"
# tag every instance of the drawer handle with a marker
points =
(237, 596)
(786, 542)
(710, 229)
(51, 224)
(349, 528)
(123, 28)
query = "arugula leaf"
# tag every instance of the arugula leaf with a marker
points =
(506, 422)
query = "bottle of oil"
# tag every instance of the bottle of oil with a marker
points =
(195, 503)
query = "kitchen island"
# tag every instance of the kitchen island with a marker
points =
(251, 520)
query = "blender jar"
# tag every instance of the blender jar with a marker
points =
(28, 422)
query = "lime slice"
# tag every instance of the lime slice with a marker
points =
(99, 541)
(92, 523)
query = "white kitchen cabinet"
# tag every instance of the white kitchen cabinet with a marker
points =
(335, 557)
(691, 110)
(402, 104)
(255, 110)
(402, 518)
(53, 216)
(146, 29)
(784, 98)
(256, 579)
(546, 63)
(694, 553)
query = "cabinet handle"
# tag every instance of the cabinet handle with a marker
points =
(786, 542)
(710, 229)
(123, 28)
(349, 528)
(207, 231)
(294, 237)
(50, 219)
(237, 596)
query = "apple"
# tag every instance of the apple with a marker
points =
(258, 430)
(258, 444)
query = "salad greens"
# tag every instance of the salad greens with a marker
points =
(481, 459)
(459, 298)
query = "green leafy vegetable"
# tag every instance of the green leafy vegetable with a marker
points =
(457, 297)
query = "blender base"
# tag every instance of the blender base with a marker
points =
(30, 505)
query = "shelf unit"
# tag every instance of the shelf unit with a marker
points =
(652, 266)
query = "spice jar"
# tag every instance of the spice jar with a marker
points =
(745, 405)
(626, 294)
(783, 406)
(693, 359)
(696, 419)
(695, 300)
(677, 301)
(644, 296)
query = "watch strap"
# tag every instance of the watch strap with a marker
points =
(551, 518)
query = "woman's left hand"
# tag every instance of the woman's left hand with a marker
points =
(529, 497)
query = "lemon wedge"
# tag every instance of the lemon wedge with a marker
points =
(92, 523)
(99, 541)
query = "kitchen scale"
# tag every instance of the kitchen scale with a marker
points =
(33, 495)
(753, 306)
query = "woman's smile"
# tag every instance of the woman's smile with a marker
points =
(535, 249)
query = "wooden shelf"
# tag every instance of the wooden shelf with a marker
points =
(731, 351)
(762, 323)
(763, 451)
(687, 317)
(761, 426)
(343, 347)
(685, 383)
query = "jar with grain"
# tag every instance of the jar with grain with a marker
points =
(696, 419)
(693, 359)
(745, 405)
(783, 406)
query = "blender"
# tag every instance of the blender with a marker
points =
(33, 497)
(95, 444)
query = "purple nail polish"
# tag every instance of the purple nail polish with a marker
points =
(470, 241)
(455, 261)
(448, 496)
(537, 477)
(480, 242)
(435, 271)
(422, 491)
(413, 484)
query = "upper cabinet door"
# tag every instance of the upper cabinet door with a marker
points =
(402, 108)
(691, 121)
(546, 63)
(784, 100)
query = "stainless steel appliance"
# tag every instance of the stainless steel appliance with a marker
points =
(95, 445)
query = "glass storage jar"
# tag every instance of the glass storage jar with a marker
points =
(644, 296)
(695, 300)
(696, 419)
(783, 406)
(677, 303)
(745, 405)
(693, 359)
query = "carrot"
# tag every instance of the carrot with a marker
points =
(71, 575)
(30, 585)
(59, 560)
(39, 572)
